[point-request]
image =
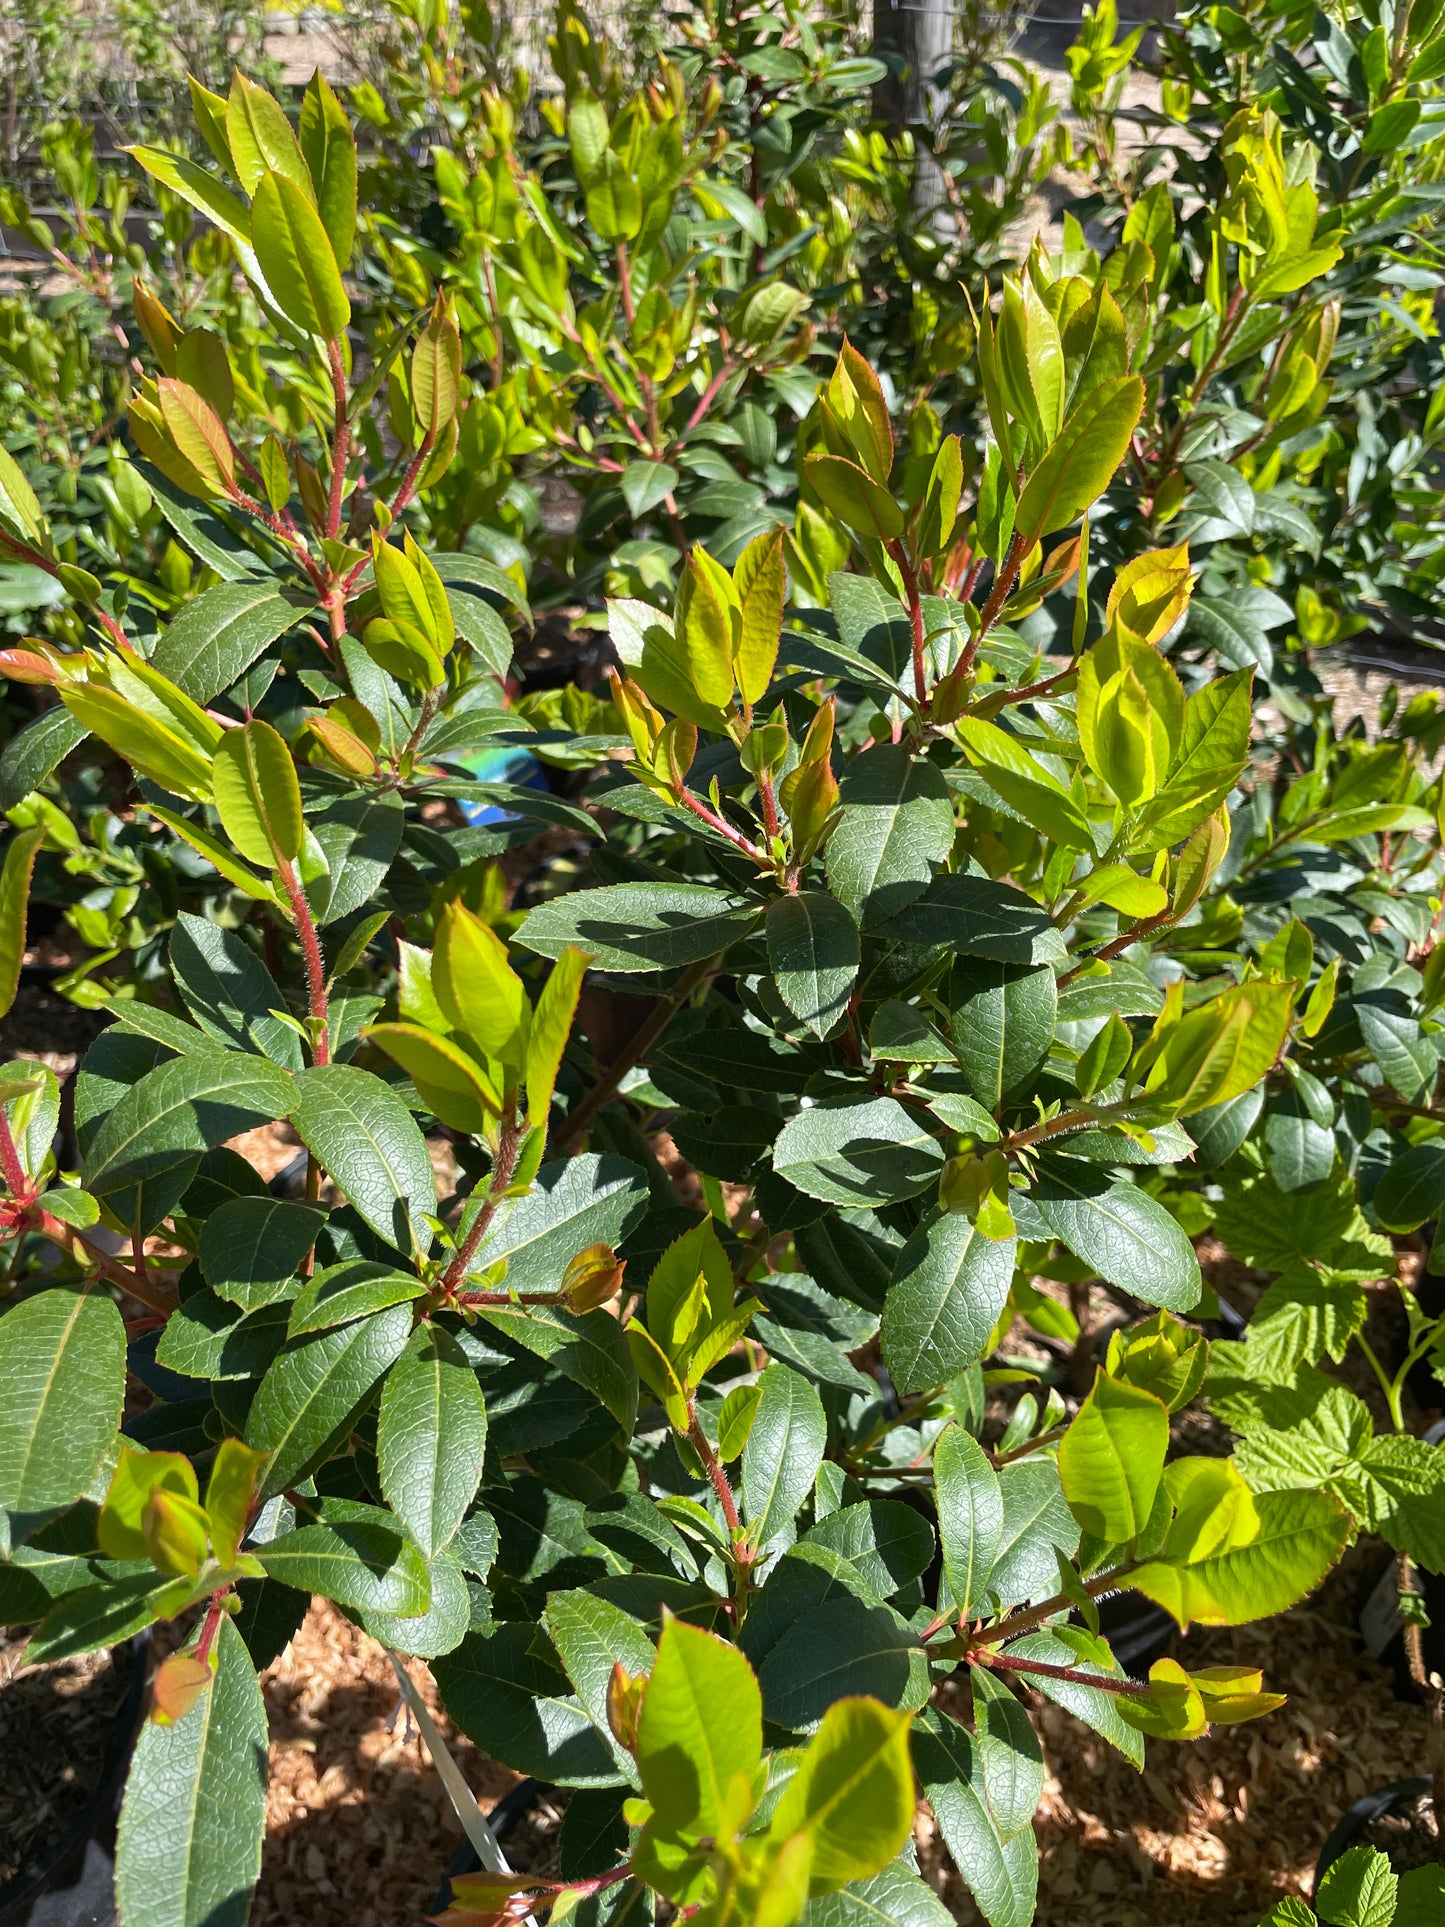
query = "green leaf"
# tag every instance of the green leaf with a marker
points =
(1074, 1647)
(205, 1337)
(444, 1624)
(215, 638)
(970, 1515)
(701, 1725)
(895, 827)
(1111, 1459)
(814, 950)
(20, 853)
(1128, 1237)
(784, 1450)
(1009, 1752)
(478, 623)
(296, 257)
(592, 1636)
(358, 1555)
(976, 917)
(844, 1646)
(34, 750)
(639, 926)
(1003, 1023)
(431, 1437)
(507, 1694)
(885, 1542)
(314, 1391)
(1422, 1896)
(1412, 1188)
(1080, 465)
(1037, 1526)
(250, 1248)
(360, 1132)
(591, 1349)
(64, 1355)
(181, 1108)
(586, 1200)
(258, 795)
(852, 1793)
(350, 1290)
(189, 1848)
(897, 1897)
(1299, 1537)
(1361, 1887)
(950, 1284)
(857, 1154)
(1002, 1875)
(229, 991)
(92, 1617)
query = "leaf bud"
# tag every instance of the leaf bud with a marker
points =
(624, 1704)
(592, 1278)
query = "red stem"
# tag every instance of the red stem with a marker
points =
(709, 395)
(68, 1237)
(719, 823)
(915, 616)
(575, 1124)
(17, 1181)
(1006, 1663)
(215, 1612)
(311, 952)
(697, 1438)
(508, 1144)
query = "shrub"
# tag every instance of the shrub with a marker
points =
(932, 941)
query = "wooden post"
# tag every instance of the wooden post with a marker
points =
(915, 38)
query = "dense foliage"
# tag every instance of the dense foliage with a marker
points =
(739, 1292)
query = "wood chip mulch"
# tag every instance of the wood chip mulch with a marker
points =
(359, 1829)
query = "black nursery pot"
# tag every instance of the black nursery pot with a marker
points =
(71, 1884)
(1363, 1814)
(504, 1816)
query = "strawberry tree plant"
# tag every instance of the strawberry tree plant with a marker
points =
(719, 1500)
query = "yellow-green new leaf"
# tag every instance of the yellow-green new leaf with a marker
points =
(761, 585)
(852, 1794)
(20, 854)
(551, 1027)
(258, 796)
(259, 137)
(1111, 1459)
(1298, 1536)
(198, 433)
(436, 369)
(657, 1374)
(854, 496)
(854, 398)
(706, 624)
(330, 153)
(452, 1085)
(147, 745)
(296, 257)
(475, 984)
(1221, 1048)
(1081, 463)
(20, 512)
(217, 854)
